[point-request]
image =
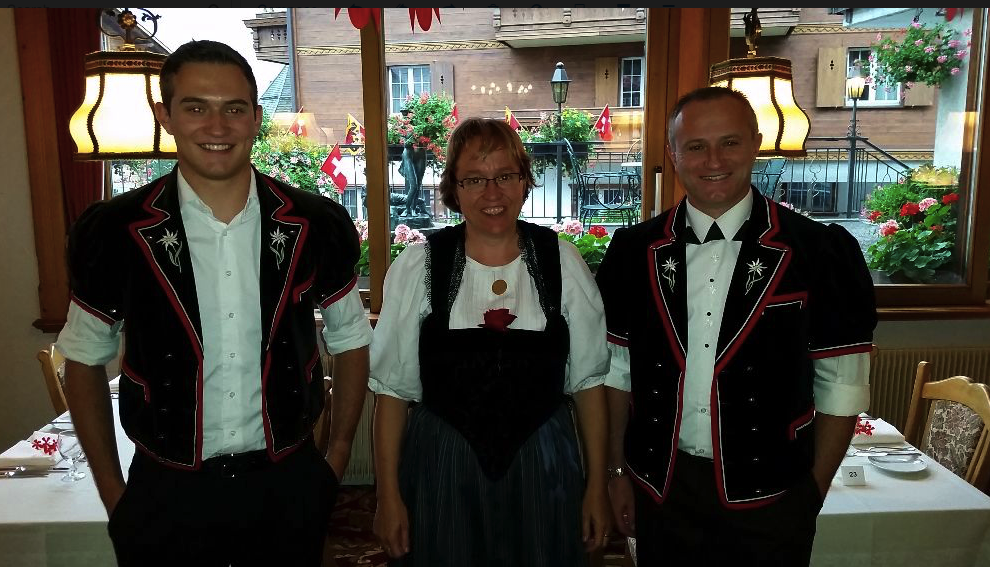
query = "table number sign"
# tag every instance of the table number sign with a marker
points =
(852, 475)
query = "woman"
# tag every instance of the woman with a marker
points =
(489, 326)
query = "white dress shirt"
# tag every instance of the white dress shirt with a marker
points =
(395, 348)
(841, 384)
(226, 267)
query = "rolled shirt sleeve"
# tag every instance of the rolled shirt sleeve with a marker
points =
(581, 305)
(88, 339)
(842, 384)
(345, 324)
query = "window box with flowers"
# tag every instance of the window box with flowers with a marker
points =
(592, 244)
(402, 237)
(929, 55)
(294, 160)
(426, 122)
(541, 140)
(917, 226)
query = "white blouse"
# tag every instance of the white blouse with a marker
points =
(395, 344)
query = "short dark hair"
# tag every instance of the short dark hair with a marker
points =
(494, 134)
(706, 94)
(202, 51)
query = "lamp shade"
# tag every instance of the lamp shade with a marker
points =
(767, 83)
(559, 83)
(116, 119)
(855, 86)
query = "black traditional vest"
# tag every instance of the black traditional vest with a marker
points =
(495, 387)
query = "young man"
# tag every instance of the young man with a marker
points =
(214, 272)
(740, 334)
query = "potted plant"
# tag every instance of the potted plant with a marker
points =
(924, 54)
(425, 122)
(916, 220)
(591, 244)
(541, 140)
(295, 160)
(402, 237)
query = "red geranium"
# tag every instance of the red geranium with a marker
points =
(950, 198)
(909, 209)
(874, 215)
(598, 231)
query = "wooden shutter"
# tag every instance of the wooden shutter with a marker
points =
(919, 95)
(831, 77)
(442, 77)
(606, 81)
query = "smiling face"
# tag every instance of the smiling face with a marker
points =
(213, 121)
(490, 212)
(715, 147)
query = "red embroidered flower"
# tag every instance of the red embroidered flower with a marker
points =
(598, 231)
(950, 198)
(909, 209)
(498, 319)
(874, 216)
(863, 427)
(46, 444)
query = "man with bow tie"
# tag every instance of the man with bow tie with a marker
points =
(215, 272)
(740, 334)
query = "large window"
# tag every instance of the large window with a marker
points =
(405, 81)
(632, 82)
(872, 95)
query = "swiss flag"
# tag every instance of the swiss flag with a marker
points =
(332, 167)
(298, 125)
(511, 120)
(604, 125)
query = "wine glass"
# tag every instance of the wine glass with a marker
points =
(71, 450)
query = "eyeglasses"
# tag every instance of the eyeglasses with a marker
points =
(504, 181)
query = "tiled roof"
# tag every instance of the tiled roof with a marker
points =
(278, 96)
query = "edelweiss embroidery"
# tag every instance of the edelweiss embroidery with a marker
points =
(755, 269)
(278, 246)
(173, 246)
(669, 271)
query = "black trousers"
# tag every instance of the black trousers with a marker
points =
(692, 527)
(259, 514)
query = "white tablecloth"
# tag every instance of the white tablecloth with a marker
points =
(44, 521)
(931, 517)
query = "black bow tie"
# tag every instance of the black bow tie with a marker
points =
(714, 233)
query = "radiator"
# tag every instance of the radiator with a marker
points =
(361, 468)
(893, 372)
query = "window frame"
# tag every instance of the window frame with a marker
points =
(872, 89)
(623, 75)
(410, 84)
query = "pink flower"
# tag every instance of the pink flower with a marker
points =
(968, 32)
(888, 228)
(955, 70)
(879, 37)
(953, 43)
(915, 25)
(557, 227)
(908, 68)
(943, 58)
(402, 233)
(909, 85)
(416, 237)
(919, 42)
(424, 97)
(926, 203)
(929, 49)
(961, 53)
(573, 227)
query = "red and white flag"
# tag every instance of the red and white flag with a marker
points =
(511, 120)
(604, 125)
(298, 124)
(453, 113)
(333, 167)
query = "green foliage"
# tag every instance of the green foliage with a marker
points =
(426, 121)
(592, 244)
(925, 55)
(266, 125)
(294, 160)
(577, 129)
(917, 224)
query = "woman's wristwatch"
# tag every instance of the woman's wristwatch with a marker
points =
(615, 472)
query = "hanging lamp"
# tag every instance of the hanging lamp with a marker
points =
(767, 83)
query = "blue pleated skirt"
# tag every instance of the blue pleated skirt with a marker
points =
(460, 518)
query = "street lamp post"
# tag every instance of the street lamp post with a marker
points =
(854, 90)
(558, 86)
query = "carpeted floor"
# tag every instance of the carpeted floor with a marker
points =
(351, 542)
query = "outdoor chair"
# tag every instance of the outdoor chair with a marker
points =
(595, 196)
(955, 430)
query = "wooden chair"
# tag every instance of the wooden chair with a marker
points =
(956, 429)
(53, 368)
